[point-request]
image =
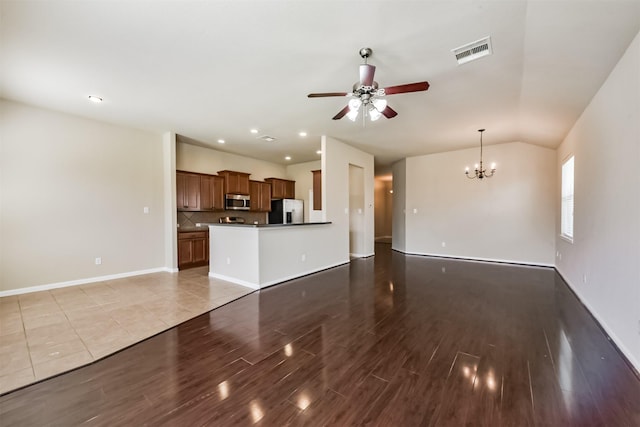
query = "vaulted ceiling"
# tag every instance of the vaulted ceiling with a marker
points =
(214, 70)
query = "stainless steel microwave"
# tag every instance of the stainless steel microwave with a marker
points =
(237, 202)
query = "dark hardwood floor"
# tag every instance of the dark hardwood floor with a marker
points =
(391, 340)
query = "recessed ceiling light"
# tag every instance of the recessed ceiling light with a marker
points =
(288, 158)
(95, 98)
(302, 133)
(254, 131)
(221, 141)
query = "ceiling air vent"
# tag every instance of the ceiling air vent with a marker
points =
(267, 138)
(473, 51)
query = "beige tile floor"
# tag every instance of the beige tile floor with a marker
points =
(45, 333)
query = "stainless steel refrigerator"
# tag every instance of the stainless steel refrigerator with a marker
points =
(286, 211)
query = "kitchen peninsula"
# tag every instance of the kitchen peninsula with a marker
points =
(261, 255)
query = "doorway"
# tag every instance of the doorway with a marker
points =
(383, 208)
(356, 212)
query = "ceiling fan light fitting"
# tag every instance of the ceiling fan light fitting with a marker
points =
(374, 114)
(380, 104)
(352, 114)
(354, 104)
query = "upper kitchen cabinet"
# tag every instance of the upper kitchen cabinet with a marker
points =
(211, 193)
(317, 190)
(235, 182)
(187, 191)
(282, 188)
(260, 195)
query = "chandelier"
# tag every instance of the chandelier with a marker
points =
(480, 171)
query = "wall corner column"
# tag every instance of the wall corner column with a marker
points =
(169, 189)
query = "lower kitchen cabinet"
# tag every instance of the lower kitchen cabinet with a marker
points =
(193, 249)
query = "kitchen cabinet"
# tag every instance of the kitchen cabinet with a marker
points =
(282, 188)
(193, 249)
(260, 195)
(211, 193)
(317, 190)
(187, 191)
(235, 182)
(289, 189)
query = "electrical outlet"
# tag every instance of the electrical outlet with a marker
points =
(98, 261)
(444, 244)
(145, 209)
(415, 211)
(228, 261)
(584, 278)
(444, 270)
(303, 257)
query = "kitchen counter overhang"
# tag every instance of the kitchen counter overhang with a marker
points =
(261, 255)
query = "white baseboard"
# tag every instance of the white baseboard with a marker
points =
(234, 280)
(85, 281)
(502, 261)
(361, 255)
(275, 281)
(616, 340)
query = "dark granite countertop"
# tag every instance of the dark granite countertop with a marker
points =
(204, 226)
(269, 225)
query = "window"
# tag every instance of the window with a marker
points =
(566, 208)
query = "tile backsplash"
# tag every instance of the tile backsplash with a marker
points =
(190, 219)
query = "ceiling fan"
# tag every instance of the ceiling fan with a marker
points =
(367, 95)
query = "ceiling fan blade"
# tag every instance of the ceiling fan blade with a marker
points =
(321, 95)
(389, 112)
(366, 74)
(410, 87)
(342, 113)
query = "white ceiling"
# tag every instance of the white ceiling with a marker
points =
(210, 70)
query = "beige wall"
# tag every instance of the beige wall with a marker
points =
(509, 217)
(72, 190)
(336, 160)
(602, 265)
(194, 158)
(399, 219)
(356, 211)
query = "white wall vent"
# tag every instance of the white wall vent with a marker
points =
(267, 138)
(473, 51)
